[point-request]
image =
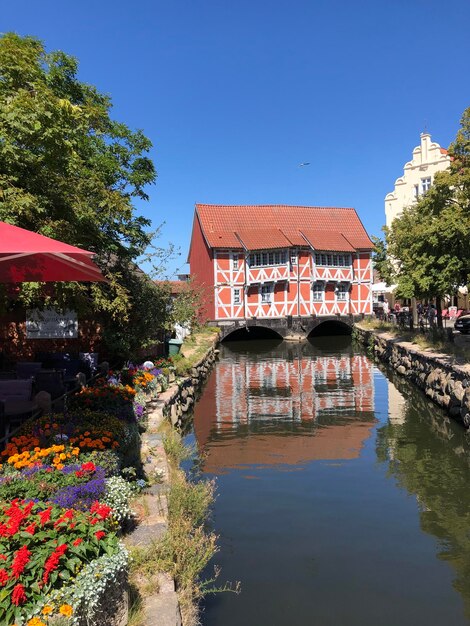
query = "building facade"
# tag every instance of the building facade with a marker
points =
(276, 261)
(418, 176)
(304, 393)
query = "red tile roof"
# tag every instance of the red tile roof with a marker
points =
(263, 239)
(327, 240)
(257, 224)
(175, 286)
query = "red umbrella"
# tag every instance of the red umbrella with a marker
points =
(28, 257)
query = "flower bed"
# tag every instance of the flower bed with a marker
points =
(62, 506)
(44, 548)
(125, 392)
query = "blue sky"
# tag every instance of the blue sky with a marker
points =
(236, 94)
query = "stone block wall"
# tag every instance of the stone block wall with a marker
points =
(444, 382)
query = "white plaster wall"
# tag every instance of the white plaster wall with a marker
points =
(428, 158)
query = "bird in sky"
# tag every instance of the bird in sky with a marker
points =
(304, 164)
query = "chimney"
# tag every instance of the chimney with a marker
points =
(425, 139)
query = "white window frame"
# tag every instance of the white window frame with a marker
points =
(328, 259)
(426, 184)
(236, 296)
(318, 289)
(268, 258)
(342, 292)
(293, 259)
(235, 262)
(266, 293)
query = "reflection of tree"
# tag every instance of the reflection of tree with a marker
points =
(428, 456)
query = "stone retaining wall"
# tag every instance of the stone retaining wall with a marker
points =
(444, 382)
(180, 397)
(162, 608)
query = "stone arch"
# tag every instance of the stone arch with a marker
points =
(247, 333)
(330, 327)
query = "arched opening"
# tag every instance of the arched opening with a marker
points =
(329, 328)
(252, 332)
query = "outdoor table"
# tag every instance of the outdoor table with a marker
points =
(15, 408)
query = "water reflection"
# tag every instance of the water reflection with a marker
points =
(428, 455)
(381, 490)
(294, 403)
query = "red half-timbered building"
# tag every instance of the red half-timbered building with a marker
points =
(273, 261)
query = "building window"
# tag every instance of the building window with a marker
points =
(265, 259)
(318, 290)
(425, 184)
(342, 292)
(333, 260)
(235, 262)
(293, 260)
(236, 296)
(416, 191)
(266, 294)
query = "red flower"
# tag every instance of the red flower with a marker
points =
(18, 595)
(102, 510)
(45, 516)
(53, 561)
(68, 515)
(100, 534)
(3, 577)
(88, 467)
(78, 541)
(3, 557)
(19, 562)
(31, 529)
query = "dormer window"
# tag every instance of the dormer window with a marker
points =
(266, 259)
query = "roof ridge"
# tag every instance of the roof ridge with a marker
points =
(291, 206)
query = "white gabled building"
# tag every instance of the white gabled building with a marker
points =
(418, 176)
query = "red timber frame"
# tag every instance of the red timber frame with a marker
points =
(305, 381)
(293, 285)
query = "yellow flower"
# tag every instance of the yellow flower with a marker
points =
(47, 610)
(66, 610)
(35, 622)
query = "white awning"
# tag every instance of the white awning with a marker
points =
(383, 288)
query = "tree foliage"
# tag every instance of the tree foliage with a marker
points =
(69, 171)
(429, 243)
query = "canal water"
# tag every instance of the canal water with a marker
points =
(343, 493)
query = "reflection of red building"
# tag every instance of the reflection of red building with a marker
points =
(273, 261)
(334, 395)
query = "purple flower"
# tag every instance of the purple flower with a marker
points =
(139, 410)
(82, 496)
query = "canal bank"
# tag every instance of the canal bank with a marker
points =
(444, 382)
(332, 482)
(167, 526)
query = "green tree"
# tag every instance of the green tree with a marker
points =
(430, 241)
(69, 171)
(381, 260)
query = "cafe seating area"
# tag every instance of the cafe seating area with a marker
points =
(27, 386)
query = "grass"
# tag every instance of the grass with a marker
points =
(175, 450)
(434, 339)
(194, 347)
(186, 548)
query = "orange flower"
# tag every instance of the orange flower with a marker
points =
(66, 610)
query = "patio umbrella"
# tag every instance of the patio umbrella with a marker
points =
(29, 257)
